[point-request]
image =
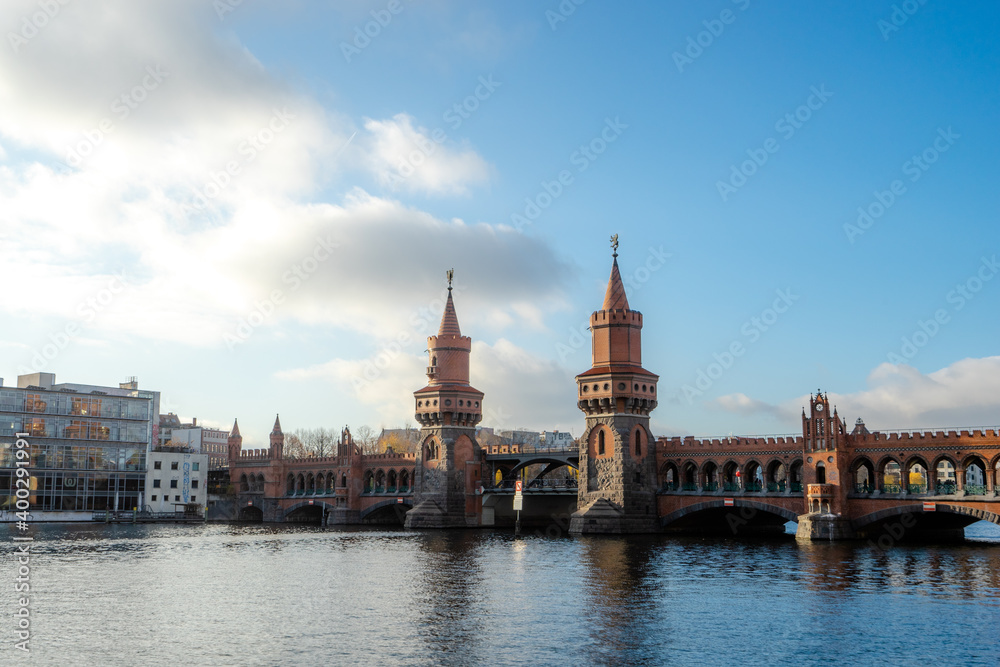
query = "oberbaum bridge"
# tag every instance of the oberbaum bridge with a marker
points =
(834, 482)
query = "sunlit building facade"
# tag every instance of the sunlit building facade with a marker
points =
(88, 445)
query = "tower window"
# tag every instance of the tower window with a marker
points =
(638, 444)
(600, 443)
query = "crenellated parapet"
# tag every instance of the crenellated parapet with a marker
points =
(679, 445)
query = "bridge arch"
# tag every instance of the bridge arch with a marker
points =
(689, 475)
(916, 466)
(250, 514)
(380, 510)
(710, 475)
(945, 517)
(753, 475)
(744, 517)
(306, 512)
(552, 462)
(862, 472)
(669, 475)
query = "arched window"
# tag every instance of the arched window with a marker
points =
(820, 473)
(600, 442)
(638, 443)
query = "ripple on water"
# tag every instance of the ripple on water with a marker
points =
(264, 595)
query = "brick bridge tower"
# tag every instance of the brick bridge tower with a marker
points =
(617, 492)
(235, 443)
(449, 461)
(277, 449)
(825, 472)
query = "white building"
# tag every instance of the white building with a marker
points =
(557, 439)
(203, 440)
(176, 476)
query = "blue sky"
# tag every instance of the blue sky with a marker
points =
(263, 222)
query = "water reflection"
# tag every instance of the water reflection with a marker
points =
(266, 595)
(620, 599)
(449, 574)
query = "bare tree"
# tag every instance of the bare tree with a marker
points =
(314, 441)
(366, 438)
(294, 447)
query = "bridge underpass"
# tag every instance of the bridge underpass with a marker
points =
(744, 518)
(910, 523)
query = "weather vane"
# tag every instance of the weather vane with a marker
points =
(614, 244)
(451, 275)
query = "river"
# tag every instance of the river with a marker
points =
(295, 595)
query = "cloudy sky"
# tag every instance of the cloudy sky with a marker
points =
(251, 205)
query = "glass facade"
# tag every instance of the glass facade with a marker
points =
(88, 450)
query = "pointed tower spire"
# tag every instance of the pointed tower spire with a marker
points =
(449, 319)
(614, 297)
(277, 439)
(234, 443)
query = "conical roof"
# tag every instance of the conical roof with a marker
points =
(614, 298)
(277, 425)
(236, 428)
(449, 321)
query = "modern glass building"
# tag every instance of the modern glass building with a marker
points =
(88, 445)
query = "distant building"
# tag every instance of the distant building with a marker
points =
(168, 423)
(203, 440)
(556, 439)
(520, 437)
(398, 439)
(88, 445)
(176, 476)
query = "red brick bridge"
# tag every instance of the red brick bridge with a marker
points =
(834, 483)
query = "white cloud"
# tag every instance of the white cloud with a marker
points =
(965, 393)
(416, 159)
(133, 203)
(521, 389)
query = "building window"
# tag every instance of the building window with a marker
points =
(173, 484)
(195, 466)
(153, 498)
(177, 499)
(156, 465)
(156, 483)
(600, 443)
(194, 498)
(173, 465)
(194, 484)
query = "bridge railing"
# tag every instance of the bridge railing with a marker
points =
(533, 485)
